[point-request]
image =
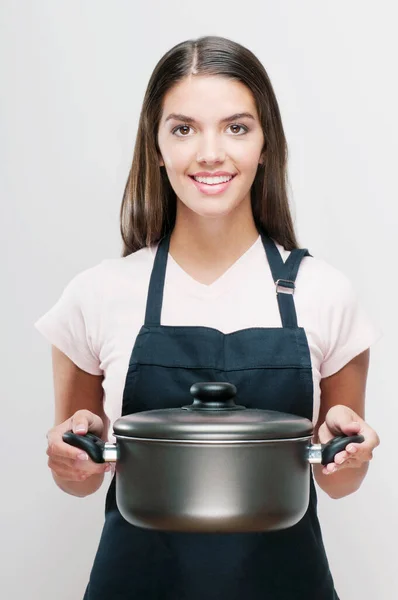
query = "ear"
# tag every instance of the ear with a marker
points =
(161, 161)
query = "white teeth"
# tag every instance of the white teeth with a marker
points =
(213, 180)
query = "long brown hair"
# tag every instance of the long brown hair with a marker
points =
(148, 208)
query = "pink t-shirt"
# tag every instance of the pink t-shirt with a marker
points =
(99, 314)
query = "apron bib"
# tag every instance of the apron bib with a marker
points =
(271, 368)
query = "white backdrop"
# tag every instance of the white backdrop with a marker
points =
(73, 75)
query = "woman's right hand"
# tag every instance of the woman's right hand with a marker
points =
(70, 464)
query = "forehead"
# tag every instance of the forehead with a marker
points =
(208, 98)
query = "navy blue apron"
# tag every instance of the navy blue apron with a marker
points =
(271, 368)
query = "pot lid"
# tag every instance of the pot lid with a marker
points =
(213, 416)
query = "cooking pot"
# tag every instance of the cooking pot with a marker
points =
(212, 466)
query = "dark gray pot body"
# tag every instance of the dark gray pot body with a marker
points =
(212, 487)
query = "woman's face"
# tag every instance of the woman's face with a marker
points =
(210, 139)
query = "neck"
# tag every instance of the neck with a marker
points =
(206, 247)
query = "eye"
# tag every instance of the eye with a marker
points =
(237, 126)
(181, 128)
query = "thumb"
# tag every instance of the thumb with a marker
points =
(341, 419)
(351, 428)
(84, 420)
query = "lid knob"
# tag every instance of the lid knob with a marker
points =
(213, 395)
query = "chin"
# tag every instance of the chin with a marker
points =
(211, 207)
(216, 210)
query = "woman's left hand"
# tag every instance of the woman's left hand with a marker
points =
(343, 420)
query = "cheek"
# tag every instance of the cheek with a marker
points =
(168, 161)
(177, 161)
(246, 158)
(249, 166)
(172, 155)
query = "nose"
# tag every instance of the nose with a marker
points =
(210, 150)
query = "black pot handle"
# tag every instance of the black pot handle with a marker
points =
(90, 443)
(338, 444)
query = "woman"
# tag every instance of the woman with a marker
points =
(205, 219)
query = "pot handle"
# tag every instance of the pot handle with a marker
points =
(338, 444)
(90, 443)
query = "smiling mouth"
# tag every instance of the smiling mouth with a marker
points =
(213, 180)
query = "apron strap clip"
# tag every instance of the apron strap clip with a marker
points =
(285, 286)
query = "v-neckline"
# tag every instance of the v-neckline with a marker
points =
(178, 276)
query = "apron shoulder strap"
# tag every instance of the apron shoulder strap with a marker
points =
(284, 275)
(156, 283)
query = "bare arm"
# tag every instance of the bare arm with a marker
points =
(346, 387)
(75, 390)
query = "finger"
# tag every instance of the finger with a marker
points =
(330, 468)
(60, 461)
(84, 420)
(90, 467)
(76, 469)
(351, 428)
(340, 457)
(372, 440)
(58, 448)
(73, 457)
(364, 456)
(341, 419)
(67, 474)
(363, 451)
(78, 465)
(349, 464)
(324, 434)
(64, 471)
(334, 468)
(371, 436)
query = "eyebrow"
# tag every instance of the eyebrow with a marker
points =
(236, 116)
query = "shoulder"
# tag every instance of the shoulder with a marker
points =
(111, 273)
(321, 280)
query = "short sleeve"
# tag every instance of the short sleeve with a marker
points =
(348, 329)
(69, 324)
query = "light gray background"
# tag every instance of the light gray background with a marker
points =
(73, 76)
